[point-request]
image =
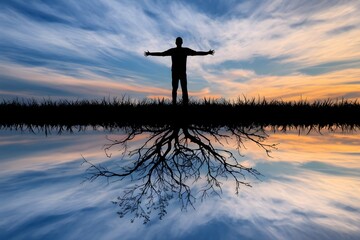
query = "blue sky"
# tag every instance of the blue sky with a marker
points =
(43, 194)
(94, 49)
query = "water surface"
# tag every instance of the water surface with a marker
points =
(309, 188)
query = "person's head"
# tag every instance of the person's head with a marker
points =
(179, 41)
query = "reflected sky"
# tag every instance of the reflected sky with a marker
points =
(309, 190)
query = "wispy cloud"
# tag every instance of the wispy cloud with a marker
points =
(333, 85)
(42, 198)
(107, 38)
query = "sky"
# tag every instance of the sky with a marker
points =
(87, 49)
(309, 189)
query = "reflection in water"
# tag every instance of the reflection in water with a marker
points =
(310, 188)
(175, 161)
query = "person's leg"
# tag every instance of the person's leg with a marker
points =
(183, 81)
(175, 85)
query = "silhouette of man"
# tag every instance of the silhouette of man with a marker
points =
(178, 58)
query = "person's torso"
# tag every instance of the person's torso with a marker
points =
(178, 57)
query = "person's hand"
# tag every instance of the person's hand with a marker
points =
(146, 53)
(211, 52)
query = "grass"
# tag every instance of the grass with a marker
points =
(119, 112)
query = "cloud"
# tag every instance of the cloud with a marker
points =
(333, 85)
(107, 38)
(42, 196)
(49, 83)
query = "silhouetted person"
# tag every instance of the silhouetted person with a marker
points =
(178, 58)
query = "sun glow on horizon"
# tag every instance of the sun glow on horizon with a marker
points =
(276, 50)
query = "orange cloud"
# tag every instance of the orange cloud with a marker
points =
(338, 84)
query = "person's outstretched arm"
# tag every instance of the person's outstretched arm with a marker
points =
(161, 54)
(201, 53)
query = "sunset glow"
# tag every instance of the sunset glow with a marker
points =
(287, 50)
